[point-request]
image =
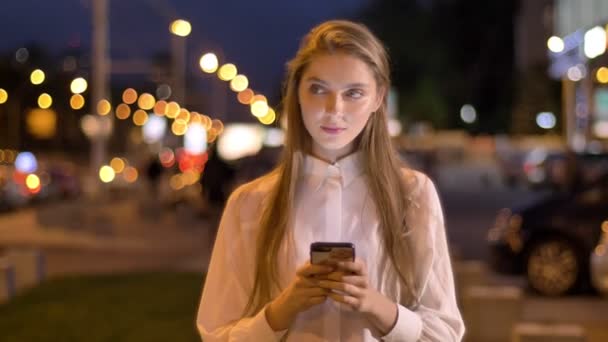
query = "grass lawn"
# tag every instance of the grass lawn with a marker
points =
(134, 307)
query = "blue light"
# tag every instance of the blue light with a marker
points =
(26, 162)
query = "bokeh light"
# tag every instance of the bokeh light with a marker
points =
(117, 164)
(245, 96)
(130, 174)
(172, 110)
(3, 96)
(163, 92)
(602, 75)
(77, 101)
(269, 117)
(129, 96)
(180, 28)
(106, 174)
(209, 63)
(146, 101)
(259, 108)
(176, 182)
(26, 162)
(155, 129)
(184, 115)
(239, 83)
(104, 107)
(160, 108)
(32, 182)
(45, 101)
(179, 127)
(79, 85)
(42, 123)
(555, 44)
(123, 111)
(37, 77)
(166, 157)
(140, 117)
(227, 72)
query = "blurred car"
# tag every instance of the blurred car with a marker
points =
(599, 262)
(550, 241)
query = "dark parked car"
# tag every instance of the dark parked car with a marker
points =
(551, 241)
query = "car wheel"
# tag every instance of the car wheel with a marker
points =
(553, 267)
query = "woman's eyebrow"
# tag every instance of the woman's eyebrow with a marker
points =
(350, 85)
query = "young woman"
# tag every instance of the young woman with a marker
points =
(339, 180)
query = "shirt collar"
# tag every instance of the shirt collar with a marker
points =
(345, 169)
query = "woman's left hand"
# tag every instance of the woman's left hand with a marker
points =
(350, 286)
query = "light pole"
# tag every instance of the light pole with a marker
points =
(180, 29)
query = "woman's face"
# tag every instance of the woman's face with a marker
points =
(337, 95)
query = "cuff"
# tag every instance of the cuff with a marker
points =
(407, 328)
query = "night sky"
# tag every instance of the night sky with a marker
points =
(259, 37)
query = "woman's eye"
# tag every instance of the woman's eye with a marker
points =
(354, 93)
(315, 89)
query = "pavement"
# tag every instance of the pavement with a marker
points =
(111, 235)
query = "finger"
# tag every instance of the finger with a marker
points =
(316, 300)
(358, 280)
(309, 269)
(348, 289)
(356, 267)
(314, 292)
(348, 300)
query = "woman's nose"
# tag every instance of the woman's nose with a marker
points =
(333, 104)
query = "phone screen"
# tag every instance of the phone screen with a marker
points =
(322, 252)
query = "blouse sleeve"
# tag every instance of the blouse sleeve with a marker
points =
(228, 281)
(437, 318)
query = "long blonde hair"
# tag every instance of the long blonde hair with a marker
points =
(382, 166)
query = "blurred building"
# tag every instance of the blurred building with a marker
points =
(577, 52)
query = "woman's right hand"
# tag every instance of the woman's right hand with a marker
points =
(302, 293)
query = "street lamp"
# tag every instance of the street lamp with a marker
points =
(180, 29)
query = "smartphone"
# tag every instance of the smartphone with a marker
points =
(322, 252)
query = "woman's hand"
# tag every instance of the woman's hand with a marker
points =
(301, 294)
(350, 286)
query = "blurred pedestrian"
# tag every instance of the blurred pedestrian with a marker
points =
(339, 180)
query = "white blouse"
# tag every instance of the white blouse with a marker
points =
(332, 204)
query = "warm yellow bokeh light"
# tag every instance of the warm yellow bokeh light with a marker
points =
(32, 181)
(184, 115)
(217, 126)
(239, 83)
(129, 96)
(172, 110)
(227, 72)
(209, 63)
(76, 101)
(117, 164)
(146, 101)
(106, 174)
(180, 28)
(104, 107)
(123, 111)
(190, 177)
(206, 121)
(45, 101)
(602, 75)
(37, 77)
(160, 108)
(176, 182)
(140, 117)
(130, 174)
(179, 127)
(269, 117)
(79, 85)
(195, 118)
(42, 123)
(259, 108)
(245, 96)
(259, 97)
(3, 96)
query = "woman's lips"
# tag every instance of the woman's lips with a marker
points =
(332, 130)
